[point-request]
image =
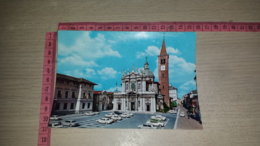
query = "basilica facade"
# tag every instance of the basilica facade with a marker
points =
(139, 91)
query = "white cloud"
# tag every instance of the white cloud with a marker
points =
(140, 54)
(86, 50)
(75, 59)
(180, 64)
(188, 85)
(107, 72)
(155, 51)
(90, 71)
(152, 51)
(171, 50)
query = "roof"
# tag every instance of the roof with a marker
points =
(171, 87)
(152, 82)
(148, 73)
(194, 92)
(99, 92)
(70, 78)
(163, 49)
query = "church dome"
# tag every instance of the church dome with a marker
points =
(148, 73)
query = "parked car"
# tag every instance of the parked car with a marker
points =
(173, 111)
(117, 112)
(126, 115)
(55, 125)
(89, 114)
(116, 117)
(182, 114)
(157, 123)
(105, 121)
(70, 123)
(96, 113)
(147, 126)
(129, 113)
(109, 115)
(159, 117)
(55, 117)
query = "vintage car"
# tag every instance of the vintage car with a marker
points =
(110, 115)
(105, 121)
(89, 114)
(157, 123)
(117, 112)
(173, 111)
(55, 117)
(116, 117)
(182, 114)
(129, 113)
(147, 126)
(158, 117)
(55, 125)
(70, 123)
(126, 115)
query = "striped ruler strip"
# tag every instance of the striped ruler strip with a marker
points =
(48, 81)
(163, 26)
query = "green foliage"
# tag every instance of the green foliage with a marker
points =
(173, 104)
(166, 108)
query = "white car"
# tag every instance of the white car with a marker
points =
(173, 111)
(182, 114)
(126, 115)
(129, 113)
(155, 123)
(147, 126)
(96, 113)
(116, 117)
(55, 117)
(70, 123)
(110, 115)
(55, 125)
(89, 113)
(105, 121)
(158, 117)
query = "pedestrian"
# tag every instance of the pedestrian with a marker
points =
(188, 114)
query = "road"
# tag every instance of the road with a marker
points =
(125, 123)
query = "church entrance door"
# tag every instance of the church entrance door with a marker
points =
(119, 107)
(148, 107)
(132, 106)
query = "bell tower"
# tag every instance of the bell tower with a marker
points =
(163, 64)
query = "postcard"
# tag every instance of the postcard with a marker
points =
(126, 80)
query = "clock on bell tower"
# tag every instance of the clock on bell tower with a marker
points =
(163, 64)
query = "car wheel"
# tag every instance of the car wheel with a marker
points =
(160, 126)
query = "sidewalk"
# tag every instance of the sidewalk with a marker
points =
(185, 123)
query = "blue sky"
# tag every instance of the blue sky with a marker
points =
(101, 56)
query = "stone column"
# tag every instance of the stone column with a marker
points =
(123, 104)
(136, 104)
(114, 103)
(78, 100)
(143, 104)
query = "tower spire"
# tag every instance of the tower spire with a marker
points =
(163, 48)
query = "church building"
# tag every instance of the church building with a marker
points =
(139, 91)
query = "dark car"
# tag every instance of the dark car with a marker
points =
(117, 112)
